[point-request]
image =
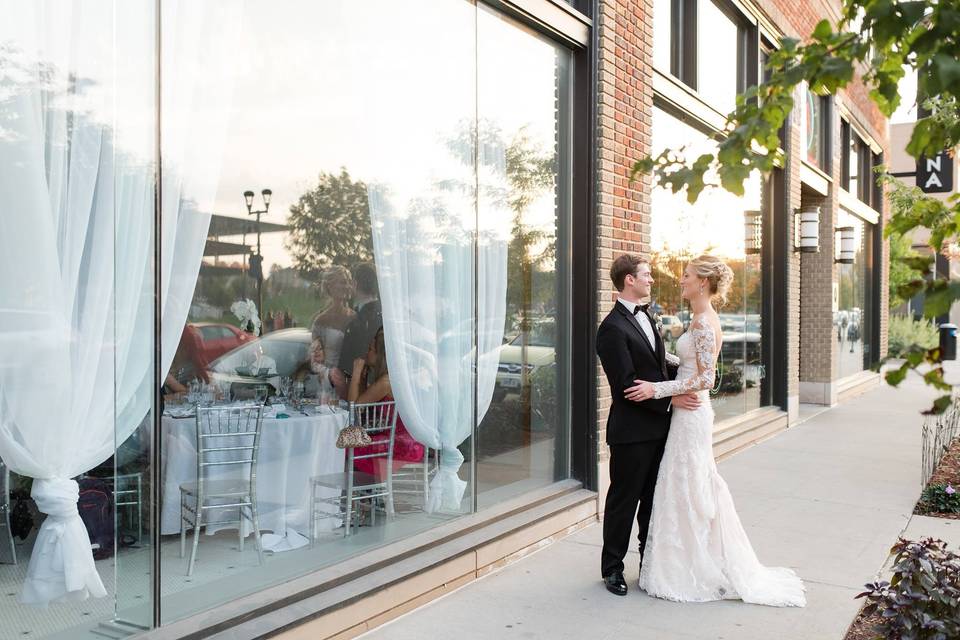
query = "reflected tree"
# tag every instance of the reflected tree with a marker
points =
(330, 224)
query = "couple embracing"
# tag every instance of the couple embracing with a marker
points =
(660, 433)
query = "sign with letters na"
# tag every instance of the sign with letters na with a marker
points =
(935, 175)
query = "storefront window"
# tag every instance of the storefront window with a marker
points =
(521, 442)
(852, 320)
(815, 127)
(77, 166)
(662, 34)
(363, 226)
(720, 56)
(716, 224)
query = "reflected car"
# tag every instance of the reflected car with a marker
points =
(263, 360)
(540, 351)
(213, 339)
(672, 327)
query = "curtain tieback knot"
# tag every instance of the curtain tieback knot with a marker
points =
(56, 497)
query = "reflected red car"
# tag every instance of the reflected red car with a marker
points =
(203, 342)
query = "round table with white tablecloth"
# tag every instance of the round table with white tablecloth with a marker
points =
(292, 450)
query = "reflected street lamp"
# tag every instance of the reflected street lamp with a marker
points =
(256, 262)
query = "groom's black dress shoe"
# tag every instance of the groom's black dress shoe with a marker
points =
(616, 584)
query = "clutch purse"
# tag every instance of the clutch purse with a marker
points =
(353, 436)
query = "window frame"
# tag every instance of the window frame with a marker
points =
(684, 44)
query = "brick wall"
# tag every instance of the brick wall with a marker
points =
(624, 121)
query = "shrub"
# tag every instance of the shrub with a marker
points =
(939, 498)
(922, 599)
(904, 332)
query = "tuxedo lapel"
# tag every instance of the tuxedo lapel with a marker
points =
(636, 325)
(661, 348)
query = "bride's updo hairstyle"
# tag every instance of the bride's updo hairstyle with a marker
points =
(719, 276)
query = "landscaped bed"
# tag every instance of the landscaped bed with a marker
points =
(939, 499)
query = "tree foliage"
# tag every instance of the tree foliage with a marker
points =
(889, 36)
(330, 224)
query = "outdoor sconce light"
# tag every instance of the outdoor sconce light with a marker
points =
(753, 232)
(848, 245)
(806, 230)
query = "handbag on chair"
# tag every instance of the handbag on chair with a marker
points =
(353, 436)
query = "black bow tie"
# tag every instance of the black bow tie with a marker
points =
(640, 307)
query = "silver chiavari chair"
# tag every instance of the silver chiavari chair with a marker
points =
(379, 420)
(5, 508)
(413, 478)
(226, 437)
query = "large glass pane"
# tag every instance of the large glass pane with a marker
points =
(854, 164)
(718, 224)
(351, 273)
(523, 101)
(812, 126)
(851, 321)
(718, 56)
(77, 151)
(662, 34)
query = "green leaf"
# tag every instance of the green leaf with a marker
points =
(939, 297)
(940, 405)
(896, 376)
(822, 31)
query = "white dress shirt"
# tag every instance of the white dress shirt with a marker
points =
(644, 321)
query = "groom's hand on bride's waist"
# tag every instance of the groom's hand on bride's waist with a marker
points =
(640, 391)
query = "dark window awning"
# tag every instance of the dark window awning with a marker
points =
(230, 226)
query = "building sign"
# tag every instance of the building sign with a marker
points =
(935, 175)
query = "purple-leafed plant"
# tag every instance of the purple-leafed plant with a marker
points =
(922, 599)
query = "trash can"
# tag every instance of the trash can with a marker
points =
(948, 341)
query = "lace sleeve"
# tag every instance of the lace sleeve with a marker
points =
(704, 346)
(672, 359)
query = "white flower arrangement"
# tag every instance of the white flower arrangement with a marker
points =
(246, 312)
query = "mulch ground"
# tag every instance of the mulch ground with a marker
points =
(863, 627)
(947, 472)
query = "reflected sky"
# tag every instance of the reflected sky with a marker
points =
(715, 224)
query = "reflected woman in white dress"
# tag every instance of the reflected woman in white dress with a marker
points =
(330, 324)
(697, 549)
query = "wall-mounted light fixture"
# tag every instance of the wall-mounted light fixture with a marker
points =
(806, 230)
(847, 245)
(753, 232)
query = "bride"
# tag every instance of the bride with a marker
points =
(696, 548)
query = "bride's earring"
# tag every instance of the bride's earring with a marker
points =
(701, 288)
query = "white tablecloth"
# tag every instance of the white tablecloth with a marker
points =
(292, 450)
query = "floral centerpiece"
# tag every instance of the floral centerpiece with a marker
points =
(246, 312)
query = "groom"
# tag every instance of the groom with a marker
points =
(631, 349)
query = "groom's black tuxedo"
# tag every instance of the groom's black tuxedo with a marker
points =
(636, 431)
(627, 355)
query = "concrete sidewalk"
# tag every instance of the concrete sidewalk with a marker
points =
(828, 497)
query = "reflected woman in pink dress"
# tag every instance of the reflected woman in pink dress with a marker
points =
(370, 382)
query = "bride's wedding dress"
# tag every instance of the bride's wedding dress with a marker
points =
(696, 548)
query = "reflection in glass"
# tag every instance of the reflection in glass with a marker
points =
(715, 224)
(662, 41)
(718, 56)
(521, 443)
(812, 123)
(853, 163)
(852, 320)
(77, 130)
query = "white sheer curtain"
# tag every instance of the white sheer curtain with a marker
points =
(75, 267)
(427, 269)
